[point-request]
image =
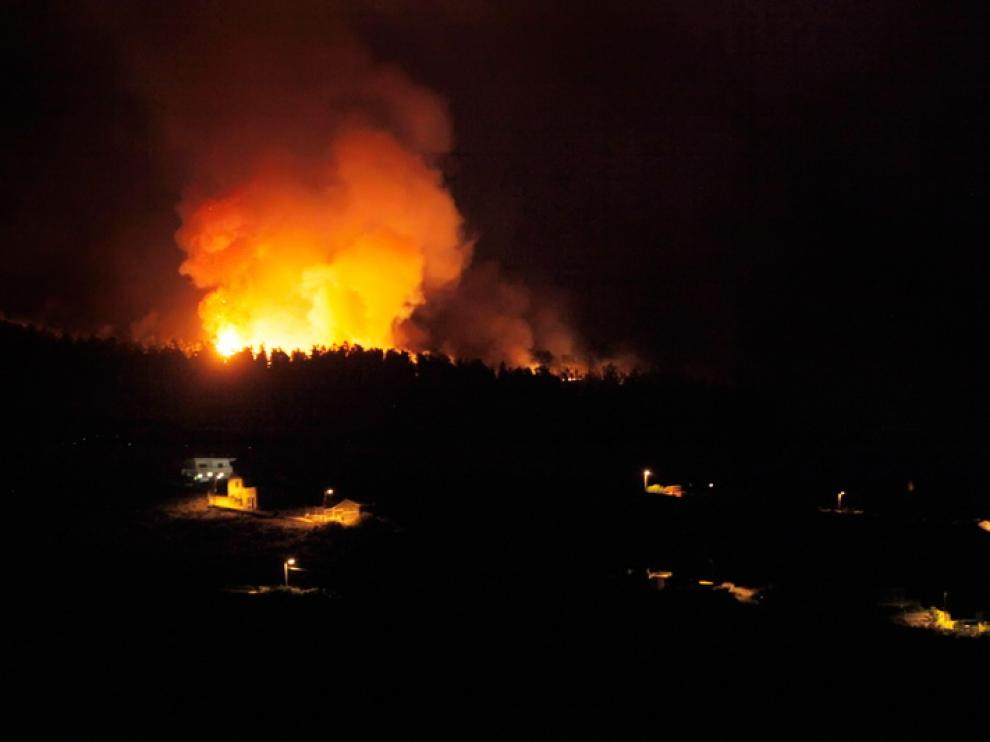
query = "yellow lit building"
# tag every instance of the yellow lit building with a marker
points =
(234, 495)
(671, 490)
(346, 513)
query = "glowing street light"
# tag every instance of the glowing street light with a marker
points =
(288, 564)
(840, 496)
(646, 478)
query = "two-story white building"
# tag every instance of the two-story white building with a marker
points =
(207, 468)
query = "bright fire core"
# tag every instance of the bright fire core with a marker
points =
(229, 342)
(342, 250)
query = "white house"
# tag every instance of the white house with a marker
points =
(206, 468)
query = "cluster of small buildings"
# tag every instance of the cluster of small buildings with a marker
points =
(227, 490)
(936, 619)
(671, 490)
(661, 579)
(345, 512)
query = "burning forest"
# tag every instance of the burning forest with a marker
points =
(338, 251)
(377, 360)
(316, 210)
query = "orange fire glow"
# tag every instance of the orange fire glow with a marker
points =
(307, 254)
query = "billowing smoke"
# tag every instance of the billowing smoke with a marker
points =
(494, 319)
(315, 210)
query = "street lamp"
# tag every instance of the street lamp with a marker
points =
(286, 566)
(646, 478)
(840, 496)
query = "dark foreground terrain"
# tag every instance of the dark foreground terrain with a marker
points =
(500, 587)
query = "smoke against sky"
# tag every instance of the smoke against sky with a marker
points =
(309, 181)
(704, 182)
(315, 210)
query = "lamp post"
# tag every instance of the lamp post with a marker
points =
(840, 496)
(646, 478)
(286, 565)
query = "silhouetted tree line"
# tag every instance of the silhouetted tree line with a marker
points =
(387, 422)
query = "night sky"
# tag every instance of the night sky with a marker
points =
(732, 190)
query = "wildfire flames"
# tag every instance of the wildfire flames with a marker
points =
(323, 253)
(315, 212)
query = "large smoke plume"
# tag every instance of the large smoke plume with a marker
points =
(314, 207)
